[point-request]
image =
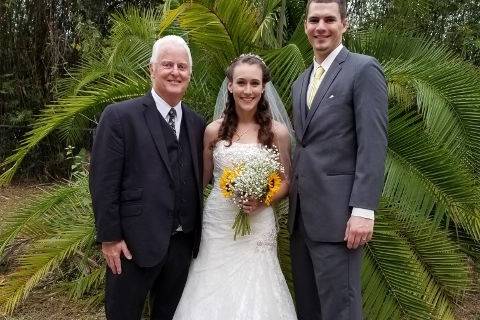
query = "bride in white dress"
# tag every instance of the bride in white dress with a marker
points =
(239, 279)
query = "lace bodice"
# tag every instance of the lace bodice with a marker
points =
(225, 156)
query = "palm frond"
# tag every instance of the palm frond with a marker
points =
(29, 218)
(134, 23)
(377, 302)
(394, 283)
(299, 38)
(203, 29)
(265, 36)
(418, 242)
(45, 256)
(87, 283)
(446, 88)
(132, 35)
(239, 18)
(422, 178)
(65, 110)
(402, 277)
(283, 243)
(286, 64)
(64, 228)
(401, 94)
(450, 273)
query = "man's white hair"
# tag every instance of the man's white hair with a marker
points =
(174, 40)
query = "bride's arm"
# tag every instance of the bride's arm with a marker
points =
(211, 133)
(282, 141)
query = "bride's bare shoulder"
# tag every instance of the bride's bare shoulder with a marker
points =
(279, 130)
(213, 126)
(211, 131)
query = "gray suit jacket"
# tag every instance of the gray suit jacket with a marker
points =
(339, 159)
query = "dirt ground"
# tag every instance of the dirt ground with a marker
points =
(42, 304)
(12, 196)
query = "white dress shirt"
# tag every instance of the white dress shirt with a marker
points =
(326, 63)
(164, 108)
(357, 212)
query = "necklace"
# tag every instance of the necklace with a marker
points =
(241, 134)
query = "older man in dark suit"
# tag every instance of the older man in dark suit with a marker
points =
(146, 188)
(340, 117)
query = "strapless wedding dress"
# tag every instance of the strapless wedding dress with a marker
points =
(235, 279)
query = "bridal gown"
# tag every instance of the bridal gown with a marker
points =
(235, 279)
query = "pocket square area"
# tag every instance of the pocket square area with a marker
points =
(332, 96)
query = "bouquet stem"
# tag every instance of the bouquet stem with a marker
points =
(241, 225)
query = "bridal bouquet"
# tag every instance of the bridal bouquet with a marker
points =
(253, 175)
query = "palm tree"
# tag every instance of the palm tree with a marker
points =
(428, 222)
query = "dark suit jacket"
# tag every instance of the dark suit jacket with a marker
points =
(131, 180)
(339, 158)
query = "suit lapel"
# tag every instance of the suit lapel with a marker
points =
(151, 115)
(189, 126)
(326, 83)
(303, 100)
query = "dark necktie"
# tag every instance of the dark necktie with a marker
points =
(172, 114)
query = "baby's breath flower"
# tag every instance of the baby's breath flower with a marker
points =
(254, 175)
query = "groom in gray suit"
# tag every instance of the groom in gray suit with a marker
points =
(340, 119)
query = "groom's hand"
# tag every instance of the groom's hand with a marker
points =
(359, 231)
(112, 252)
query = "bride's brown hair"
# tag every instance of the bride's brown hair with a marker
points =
(262, 117)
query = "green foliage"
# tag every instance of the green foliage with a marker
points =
(40, 41)
(453, 23)
(428, 224)
(58, 227)
(283, 241)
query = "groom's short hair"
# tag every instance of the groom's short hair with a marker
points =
(342, 5)
(170, 40)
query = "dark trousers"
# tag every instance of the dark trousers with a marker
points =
(125, 294)
(326, 277)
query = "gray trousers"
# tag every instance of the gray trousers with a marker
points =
(326, 277)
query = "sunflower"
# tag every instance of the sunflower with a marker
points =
(227, 180)
(274, 182)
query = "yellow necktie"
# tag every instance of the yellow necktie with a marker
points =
(312, 90)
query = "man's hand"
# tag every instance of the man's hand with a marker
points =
(112, 252)
(359, 231)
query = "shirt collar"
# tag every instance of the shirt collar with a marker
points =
(164, 107)
(328, 60)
